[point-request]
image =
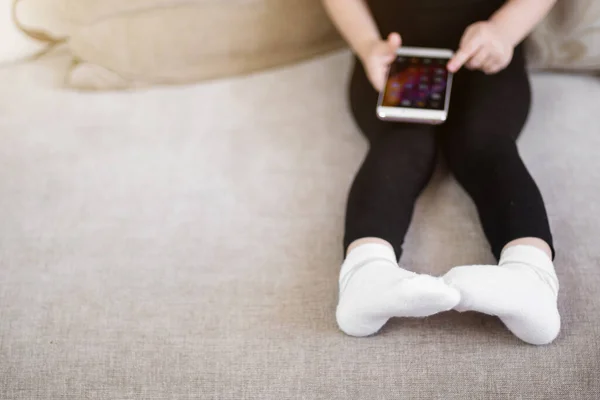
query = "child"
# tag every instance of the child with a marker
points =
(489, 106)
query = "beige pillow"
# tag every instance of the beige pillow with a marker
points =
(20, 43)
(569, 38)
(119, 44)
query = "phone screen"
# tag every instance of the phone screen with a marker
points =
(417, 82)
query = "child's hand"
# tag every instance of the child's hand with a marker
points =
(378, 57)
(482, 47)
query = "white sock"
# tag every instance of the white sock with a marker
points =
(373, 288)
(522, 290)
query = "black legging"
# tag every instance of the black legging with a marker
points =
(478, 141)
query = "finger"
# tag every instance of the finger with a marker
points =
(491, 66)
(464, 54)
(479, 59)
(461, 57)
(470, 43)
(392, 44)
(494, 64)
(394, 41)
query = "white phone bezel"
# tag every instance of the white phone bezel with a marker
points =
(404, 114)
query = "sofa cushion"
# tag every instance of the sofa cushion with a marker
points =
(155, 245)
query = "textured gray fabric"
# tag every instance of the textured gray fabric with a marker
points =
(158, 245)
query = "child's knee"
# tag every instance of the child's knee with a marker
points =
(480, 151)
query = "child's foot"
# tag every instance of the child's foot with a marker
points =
(522, 290)
(373, 289)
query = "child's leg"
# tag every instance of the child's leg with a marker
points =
(380, 205)
(398, 165)
(479, 142)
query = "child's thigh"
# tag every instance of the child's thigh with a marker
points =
(486, 106)
(385, 136)
(363, 104)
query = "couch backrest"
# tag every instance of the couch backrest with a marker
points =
(120, 44)
(569, 38)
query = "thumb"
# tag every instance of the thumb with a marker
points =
(394, 41)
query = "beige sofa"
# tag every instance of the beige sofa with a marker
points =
(184, 243)
(118, 45)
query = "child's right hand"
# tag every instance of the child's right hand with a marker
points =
(378, 57)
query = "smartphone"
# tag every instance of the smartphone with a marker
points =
(418, 87)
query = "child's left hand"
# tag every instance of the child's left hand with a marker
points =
(482, 47)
